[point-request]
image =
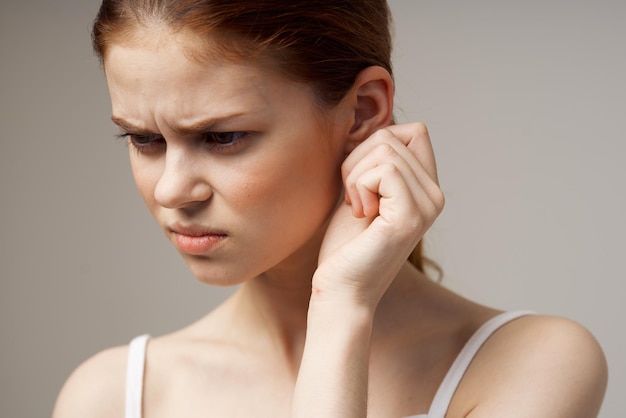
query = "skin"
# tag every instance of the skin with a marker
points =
(232, 188)
(314, 214)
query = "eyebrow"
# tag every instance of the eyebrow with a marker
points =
(201, 126)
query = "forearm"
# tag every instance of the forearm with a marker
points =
(333, 376)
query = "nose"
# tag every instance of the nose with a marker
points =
(182, 182)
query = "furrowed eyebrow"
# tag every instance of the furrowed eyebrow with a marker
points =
(198, 127)
(128, 127)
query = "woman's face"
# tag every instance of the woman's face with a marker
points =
(235, 162)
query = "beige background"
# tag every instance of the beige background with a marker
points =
(526, 105)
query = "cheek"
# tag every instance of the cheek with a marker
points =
(282, 191)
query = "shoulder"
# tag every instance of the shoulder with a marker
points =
(96, 388)
(540, 366)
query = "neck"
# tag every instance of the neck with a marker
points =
(271, 309)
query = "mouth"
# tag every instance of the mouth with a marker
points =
(196, 240)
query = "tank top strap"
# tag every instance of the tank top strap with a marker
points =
(451, 381)
(134, 376)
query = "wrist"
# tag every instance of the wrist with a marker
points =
(351, 297)
(340, 313)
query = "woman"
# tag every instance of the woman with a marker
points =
(262, 141)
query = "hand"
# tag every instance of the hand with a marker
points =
(392, 197)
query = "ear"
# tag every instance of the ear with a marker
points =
(371, 101)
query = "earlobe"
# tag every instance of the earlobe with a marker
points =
(372, 101)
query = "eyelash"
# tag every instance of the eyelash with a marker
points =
(147, 143)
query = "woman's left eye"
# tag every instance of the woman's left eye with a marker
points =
(223, 140)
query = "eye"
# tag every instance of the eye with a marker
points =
(143, 143)
(225, 142)
(223, 138)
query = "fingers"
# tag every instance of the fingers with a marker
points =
(383, 173)
(413, 136)
(393, 173)
(416, 138)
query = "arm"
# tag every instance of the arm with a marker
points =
(392, 198)
(333, 377)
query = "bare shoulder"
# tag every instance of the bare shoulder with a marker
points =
(539, 366)
(96, 388)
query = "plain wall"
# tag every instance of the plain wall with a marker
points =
(525, 102)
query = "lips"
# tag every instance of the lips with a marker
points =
(196, 240)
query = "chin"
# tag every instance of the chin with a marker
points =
(217, 278)
(209, 273)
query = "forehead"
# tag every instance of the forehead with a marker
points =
(159, 72)
(206, 46)
(158, 52)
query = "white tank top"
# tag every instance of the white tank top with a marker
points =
(438, 408)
